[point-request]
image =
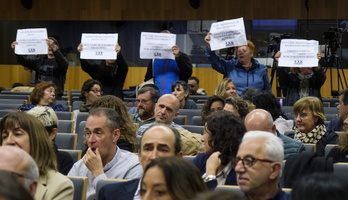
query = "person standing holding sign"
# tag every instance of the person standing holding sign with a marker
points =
(51, 67)
(111, 71)
(245, 71)
(165, 71)
(304, 80)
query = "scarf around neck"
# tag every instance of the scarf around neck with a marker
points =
(311, 137)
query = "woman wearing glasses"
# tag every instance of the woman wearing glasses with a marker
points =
(90, 91)
(310, 127)
(223, 133)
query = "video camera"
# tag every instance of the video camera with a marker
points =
(275, 39)
(333, 37)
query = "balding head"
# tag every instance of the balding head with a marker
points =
(167, 108)
(259, 120)
(22, 166)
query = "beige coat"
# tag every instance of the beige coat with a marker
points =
(54, 186)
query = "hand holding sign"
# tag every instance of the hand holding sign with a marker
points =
(30, 42)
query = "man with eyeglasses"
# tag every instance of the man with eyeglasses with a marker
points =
(261, 120)
(258, 166)
(146, 101)
(21, 166)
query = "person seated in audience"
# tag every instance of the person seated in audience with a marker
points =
(320, 185)
(51, 67)
(180, 89)
(50, 120)
(44, 94)
(238, 106)
(103, 158)
(223, 133)
(127, 140)
(226, 88)
(339, 153)
(301, 81)
(20, 164)
(11, 189)
(146, 101)
(309, 124)
(267, 101)
(90, 91)
(261, 120)
(194, 86)
(336, 124)
(167, 108)
(159, 140)
(258, 166)
(27, 132)
(248, 93)
(110, 73)
(213, 104)
(171, 178)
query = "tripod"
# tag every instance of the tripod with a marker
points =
(332, 61)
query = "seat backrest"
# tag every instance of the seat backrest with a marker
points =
(65, 126)
(81, 136)
(80, 187)
(75, 154)
(233, 188)
(190, 113)
(310, 147)
(180, 119)
(81, 116)
(340, 168)
(4, 106)
(64, 115)
(106, 181)
(197, 120)
(76, 105)
(12, 96)
(189, 158)
(328, 148)
(13, 101)
(194, 129)
(5, 112)
(66, 140)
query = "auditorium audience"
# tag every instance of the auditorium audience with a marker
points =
(171, 178)
(44, 94)
(223, 133)
(309, 124)
(181, 90)
(27, 132)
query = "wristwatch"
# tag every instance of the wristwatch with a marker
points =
(207, 178)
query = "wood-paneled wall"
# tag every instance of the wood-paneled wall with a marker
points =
(209, 78)
(172, 10)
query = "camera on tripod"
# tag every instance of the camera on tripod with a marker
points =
(333, 38)
(274, 41)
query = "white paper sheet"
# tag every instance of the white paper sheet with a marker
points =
(228, 33)
(298, 53)
(31, 41)
(157, 45)
(99, 46)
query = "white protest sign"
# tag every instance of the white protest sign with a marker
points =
(99, 46)
(298, 53)
(31, 41)
(228, 33)
(157, 45)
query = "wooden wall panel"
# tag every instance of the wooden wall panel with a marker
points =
(172, 10)
(209, 78)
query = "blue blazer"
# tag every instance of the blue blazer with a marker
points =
(119, 191)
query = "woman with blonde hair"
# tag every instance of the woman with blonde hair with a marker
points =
(28, 133)
(309, 124)
(226, 88)
(127, 139)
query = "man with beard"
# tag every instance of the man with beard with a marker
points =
(146, 102)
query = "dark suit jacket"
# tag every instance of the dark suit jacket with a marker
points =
(119, 191)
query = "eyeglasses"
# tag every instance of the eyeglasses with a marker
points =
(248, 161)
(96, 91)
(301, 115)
(142, 100)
